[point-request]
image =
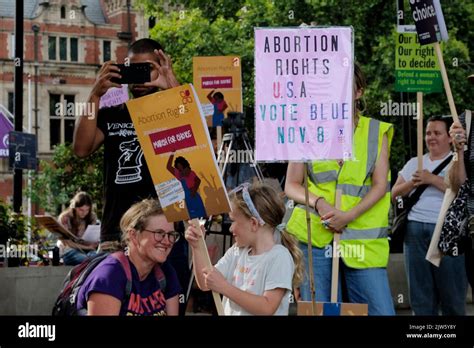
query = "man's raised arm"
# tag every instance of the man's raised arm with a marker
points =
(87, 137)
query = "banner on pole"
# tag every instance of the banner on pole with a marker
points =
(22, 150)
(5, 128)
(429, 21)
(416, 68)
(303, 93)
(173, 135)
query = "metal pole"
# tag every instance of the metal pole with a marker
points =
(406, 125)
(129, 24)
(36, 29)
(18, 109)
(29, 171)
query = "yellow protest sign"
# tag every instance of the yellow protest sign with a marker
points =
(218, 83)
(172, 132)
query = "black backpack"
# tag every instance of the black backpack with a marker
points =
(66, 303)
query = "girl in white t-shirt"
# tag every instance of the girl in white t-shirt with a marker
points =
(257, 273)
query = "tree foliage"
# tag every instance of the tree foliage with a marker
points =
(190, 28)
(59, 179)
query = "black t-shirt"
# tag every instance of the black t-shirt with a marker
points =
(127, 179)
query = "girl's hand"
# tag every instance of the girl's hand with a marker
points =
(337, 219)
(193, 234)
(214, 280)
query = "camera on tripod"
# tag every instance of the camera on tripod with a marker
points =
(234, 122)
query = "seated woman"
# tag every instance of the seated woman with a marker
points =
(148, 238)
(75, 219)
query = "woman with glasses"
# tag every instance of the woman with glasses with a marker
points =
(148, 238)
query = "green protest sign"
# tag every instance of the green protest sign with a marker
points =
(416, 67)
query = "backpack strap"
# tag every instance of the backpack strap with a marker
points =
(123, 259)
(125, 262)
(160, 276)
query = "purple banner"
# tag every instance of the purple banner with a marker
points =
(5, 128)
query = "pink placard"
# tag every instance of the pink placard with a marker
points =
(114, 96)
(303, 93)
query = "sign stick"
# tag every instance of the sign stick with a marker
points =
(447, 87)
(202, 248)
(219, 142)
(419, 124)
(310, 246)
(335, 259)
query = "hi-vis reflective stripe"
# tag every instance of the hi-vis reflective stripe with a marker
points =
(356, 191)
(311, 210)
(372, 148)
(323, 177)
(373, 233)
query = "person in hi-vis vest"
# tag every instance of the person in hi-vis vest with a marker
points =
(362, 218)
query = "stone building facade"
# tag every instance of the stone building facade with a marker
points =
(73, 38)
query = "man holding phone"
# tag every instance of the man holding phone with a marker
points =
(126, 176)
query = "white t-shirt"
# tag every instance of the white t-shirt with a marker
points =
(257, 274)
(428, 206)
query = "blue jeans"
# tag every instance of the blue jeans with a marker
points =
(429, 285)
(74, 257)
(368, 285)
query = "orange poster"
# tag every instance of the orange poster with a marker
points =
(173, 135)
(218, 82)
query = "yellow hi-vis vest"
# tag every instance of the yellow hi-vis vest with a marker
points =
(364, 241)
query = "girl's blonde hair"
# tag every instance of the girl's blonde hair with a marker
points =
(272, 210)
(136, 217)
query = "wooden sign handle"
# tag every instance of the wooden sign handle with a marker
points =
(447, 87)
(310, 244)
(419, 124)
(335, 259)
(202, 248)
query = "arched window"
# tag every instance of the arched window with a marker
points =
(63, 12)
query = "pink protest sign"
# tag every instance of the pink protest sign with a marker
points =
(114, 96)
(303, 93)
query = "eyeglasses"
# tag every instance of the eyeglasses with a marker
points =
(173, 236)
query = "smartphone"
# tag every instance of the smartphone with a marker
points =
(135, 73)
